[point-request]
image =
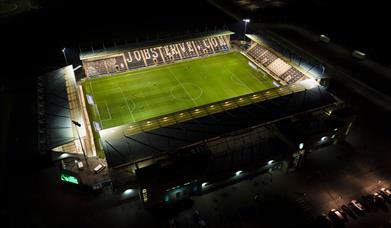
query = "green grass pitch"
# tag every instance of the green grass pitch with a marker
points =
(143, 94)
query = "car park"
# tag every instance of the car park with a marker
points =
(323, 221)
(367, 202)
(357, 207)
(378, 199)
(336, 216)
(348, 211)
(386, 193)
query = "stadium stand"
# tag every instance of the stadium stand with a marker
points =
(276, 65)
(155, 55)
(267, 58)
(256, 51)
(279, 67)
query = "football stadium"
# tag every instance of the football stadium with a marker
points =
(178, 117)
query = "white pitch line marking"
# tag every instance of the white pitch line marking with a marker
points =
(123, 96)
(184, 88)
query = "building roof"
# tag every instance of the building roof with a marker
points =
(122, 149)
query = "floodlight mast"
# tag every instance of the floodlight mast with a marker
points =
(65, 56)
(245, 28)
(77, 124)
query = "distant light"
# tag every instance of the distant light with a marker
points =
(324, 138)
(128, 192)
(63, 50)
(301, 145)
(333, 136)
(238, 172)
(246, 20)
(335, 129)
(62, 156)
(270, 162)
(204, 184)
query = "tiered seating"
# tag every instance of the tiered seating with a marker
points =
(219, 44)
(292, 75)
(115, 64)
(257, 51)
(279, 67)
(267, 58)
(156, 55)
(187, 50)
(134, 59)
(96, 67)
(276, 65)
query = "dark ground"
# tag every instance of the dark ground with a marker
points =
(31, 44)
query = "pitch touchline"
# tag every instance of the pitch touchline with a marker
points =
(96, 106)
(187, 92)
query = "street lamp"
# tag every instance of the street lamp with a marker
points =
(65, 56)
(77, 124)
(245, 28)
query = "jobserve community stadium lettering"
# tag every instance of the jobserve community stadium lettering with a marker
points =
(155, 55)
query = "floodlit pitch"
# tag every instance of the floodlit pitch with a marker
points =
(143, 94)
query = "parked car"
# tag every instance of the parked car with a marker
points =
(378, 199)
(323, 221)
(348, 211)
(367, 202)
(336, 216)
(386, 193)
(357, 207)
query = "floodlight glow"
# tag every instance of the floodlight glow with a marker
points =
(246, 20)
(90, 99)
(62, 156)
(301, 145)
(324, 138)
(97, 126)
(128, 192)
(270, 162)
(63, 50)
(238, 172)
(333, 136)
(204, 184)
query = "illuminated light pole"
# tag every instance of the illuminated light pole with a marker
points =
(245, 28)
(65, 56)
(77, 124)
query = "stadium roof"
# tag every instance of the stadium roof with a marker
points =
(57, 123)
(167, 40)
(123, 149)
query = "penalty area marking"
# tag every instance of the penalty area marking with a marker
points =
(127, 104)
(108, 111)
